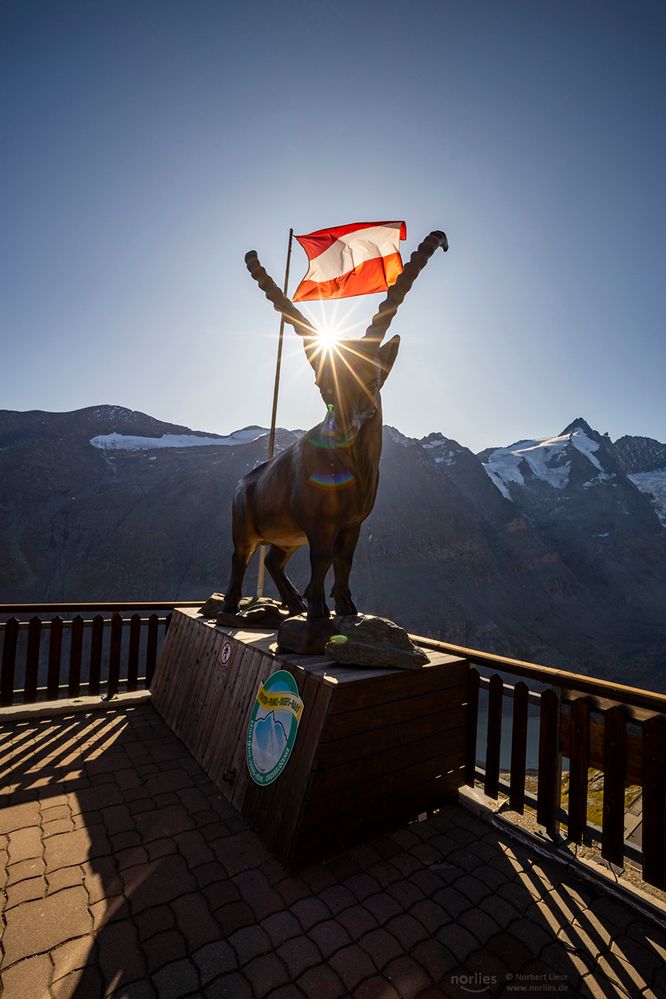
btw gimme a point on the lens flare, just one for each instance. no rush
(329, 334)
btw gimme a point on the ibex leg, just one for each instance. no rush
(275, 562)
(321, 556)
(234, 591)
(343, 556)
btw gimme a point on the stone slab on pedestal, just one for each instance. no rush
(373, 748)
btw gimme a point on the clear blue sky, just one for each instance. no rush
(147, 145)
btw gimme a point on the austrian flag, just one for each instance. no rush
(357, 259)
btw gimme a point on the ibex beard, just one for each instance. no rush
(322, 488)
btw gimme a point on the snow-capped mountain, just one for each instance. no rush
(644, 461)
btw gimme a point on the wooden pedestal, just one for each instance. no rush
(374, 747)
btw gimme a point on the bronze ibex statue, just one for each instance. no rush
(323, 487)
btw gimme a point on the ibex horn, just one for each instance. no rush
(396, 294)
(280, 301)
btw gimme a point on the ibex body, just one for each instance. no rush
(322, 488)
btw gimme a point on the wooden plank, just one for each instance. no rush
(615, 768)
(378, 716)
(151, 648)
(550, 765)
(96, 645)
(518, 747)
(364, 744)
(654, 801)
(133, 652)
(634, 747)
(55, 657)
(473, 685)
(346, 775)
(115, 646)
(378, 793)
(75, 654)
(32, 660)
(230, 717)
(578, 770)
(8, 662)
(397, 685)
(331, 838)
(493, 736)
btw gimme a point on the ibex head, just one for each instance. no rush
(350, 373)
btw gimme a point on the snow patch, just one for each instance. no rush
(653, 484)
(547, 459)
(129, 442)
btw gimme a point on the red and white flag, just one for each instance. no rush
(357, 259)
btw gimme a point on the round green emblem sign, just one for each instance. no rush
(271, 733)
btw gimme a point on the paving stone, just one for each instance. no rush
(194, 920)
(343, 867)
(25, 844)
(337, 898)
(406, 864)
(72, 955)
(407, 977)
(458, 940)
(100, 877)
(214, 959)
(282, 926)
(162, 948)
(510, 949)
(249, 942)
(35, 927)
(309, 912)
(432, 915)
(57, 826)
(231, 986)
(434, 957)
(357, 921)
(329, 936)
(322, 982)
(234, 916)
(120, 957)
(66, 877)
(157, 848)
(55, 812)
(161, 822)
(158, 882)
(70, 848)
(177, 979)
(382, 906)
(239, 852)
(376, 988)
(21, 816)
(407, 930)
(405, 893)
(254, 888)
(142, 989)
(84, 982)
(131, 857)
(361, 886)
(265, 973)
(25, 891)
(353, 965)
(484, 927)
(292, 890)
(29, 978)
(472, 888)
(24, 869)
(318, 878)
(219, 892)
(381, 946)
(298, 954)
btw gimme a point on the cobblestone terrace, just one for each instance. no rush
(126, 873)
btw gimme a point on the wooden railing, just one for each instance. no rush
(575, 727)
(50, 651)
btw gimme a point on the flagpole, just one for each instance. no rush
(276, 390)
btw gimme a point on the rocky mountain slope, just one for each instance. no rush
(544, 550)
